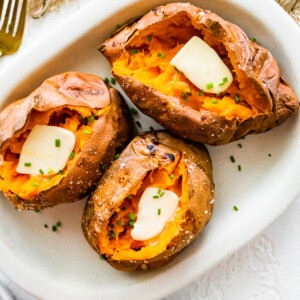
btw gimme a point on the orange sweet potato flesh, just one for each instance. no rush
(77, 102)
(265, 100)
(148, 161)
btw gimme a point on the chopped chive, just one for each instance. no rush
(180, 72)
(9, 27)
(86, 132)
(83, 120)
(41, 171)
(201, 92)
(117, 155)
(155, 196)
(239, 168)
(235, 208)
(129, 197)
(151, 128)
(218, 94)
(45, 225)
(159, 211)
(149, 38)
(131, 216)
(158, 191)
(60, 172)
(115, 234)
(215, 101)
(118, 26)
(50, 171)
(243, 137)
(58, 224)
(54, 228)
(119, 222)
(138, 123)
(103, 167)
(161, 194)
(210, 85)
(72, 155)
(222, 83)
(112, 225)
(35, 184)
(16, 208)
(101, 257)
(106, 80)
(131, 223)
(123, 208)
(161, 55)
(92, 118)
(27, 164)
(37, 210)
(134, 51)
(269, 154)
(236, 98)
(189, 94)
(112, 80)
(225, 79)
(184, 97)
(16, 196)
(240, 145)
(172, 176)
(57, 143)
(232, 159)
(254, 39)
(133, 110)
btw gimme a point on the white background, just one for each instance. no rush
(265, 269)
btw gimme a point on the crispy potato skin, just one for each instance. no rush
(256, 62)
(129, 169)
(112, 130)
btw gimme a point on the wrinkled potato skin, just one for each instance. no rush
(136, 161)
(112, 130)
(256, 62)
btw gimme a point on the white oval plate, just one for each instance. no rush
(62, 265)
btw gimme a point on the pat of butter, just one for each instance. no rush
(153, 213)
(202, 66)
(46, 148)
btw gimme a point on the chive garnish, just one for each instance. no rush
(218, 94)
(41, 171)
(129, 197)
(155, 196)
(240, 145)
(60, 172)
(54, 228)
(215, 101)
(115, 234)
(58, 224)
(50, 171)
(161, 194)
(151, 128)
(45, 225)
(161, 55)
(159, 211)
(83, 120)
(239, 168)
(131, 216)
(9, 27)
(184, 97)
(117, 155)
(101, 257)
(133, 110)
(86, 132)
(269, 154)
(131, 223)
(118, 26)
(123, 208)
(235, 208)
(210, 85)
(222, 83)
(138, 123)
(201, 92)
(119, 222)
(57, 143)
(35, 184)
(254, 39)
(106, 80)
(113, 80)
(149, 38)
(236, 98)
(159, 191)
(189, 94)
(180, 72)
(134, 51)
(103, 167)
(37, 210)
(225, 79)
(16, 196)
(27, 164)
(92, 118)
(72, 155)
(112, 225)
(172, 176)
(232, 159)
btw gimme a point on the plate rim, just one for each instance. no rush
(52, 289)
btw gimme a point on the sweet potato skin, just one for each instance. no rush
(254, 61)
(112, 130)
(129, 169)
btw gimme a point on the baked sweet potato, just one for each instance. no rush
(80, 103)
(153, 160)
(140, 53)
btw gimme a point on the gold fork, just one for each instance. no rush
(12, 23)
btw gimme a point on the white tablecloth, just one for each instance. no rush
(268, 268)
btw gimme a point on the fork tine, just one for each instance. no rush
(20, 5)
(4, 9)
(11, 12)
